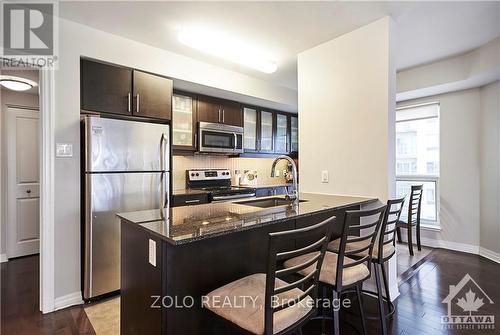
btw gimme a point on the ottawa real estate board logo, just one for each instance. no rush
(29, 34)
(465, 301)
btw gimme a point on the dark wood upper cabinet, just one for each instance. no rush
(105, 88)
(208, 110)
(219, 111)
(232, 113)
(152, 95)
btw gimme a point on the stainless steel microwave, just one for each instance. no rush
(220, 138)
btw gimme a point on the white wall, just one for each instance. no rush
(77, 40)
(346, 113)
(459, 170)
(476, 68)
(8, 97)
(346, 108)
(490, 167)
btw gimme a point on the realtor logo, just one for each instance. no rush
(464, 302)
(29, 34)
(28, 28)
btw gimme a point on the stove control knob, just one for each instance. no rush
(197, 174)
(192, 174)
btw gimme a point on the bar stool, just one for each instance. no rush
(383, 250)
(276, 307)
(341, 273)
(414, 207)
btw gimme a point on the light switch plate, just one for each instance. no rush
(152, 252)
(324, 176)
(64, 150)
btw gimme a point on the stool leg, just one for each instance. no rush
(336, 315)
(410, 239)
(398, 234)
(380, 299)
(323, 314)
(361, 313)
(386, 283)
(419, 246)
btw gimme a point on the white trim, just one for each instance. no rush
(3, 258)
(68, 300)
(434, 243)
(491, 255)
(463, 247)
(431, 227)
(47, 112)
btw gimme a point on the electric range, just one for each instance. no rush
(217, 182)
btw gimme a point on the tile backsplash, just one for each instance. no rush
(263, 166)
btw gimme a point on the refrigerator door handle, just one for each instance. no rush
(163, 180)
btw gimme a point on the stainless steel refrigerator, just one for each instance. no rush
(126, 168)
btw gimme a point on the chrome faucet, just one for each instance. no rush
(294, 196)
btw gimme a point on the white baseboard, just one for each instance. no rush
(432, 243)
(3, 258)
(68, 300)
(468, 248)
(494, 256)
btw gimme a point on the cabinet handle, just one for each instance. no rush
(218, 119)
(191, 201)
(138, 103)
(129, 102)
(223, 114)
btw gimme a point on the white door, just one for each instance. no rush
(23, 202)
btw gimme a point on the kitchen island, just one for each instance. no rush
(167, 265)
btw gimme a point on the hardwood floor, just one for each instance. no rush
(19, 304)
(418, 308)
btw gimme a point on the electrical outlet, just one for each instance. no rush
(324, 176)
(152, 252)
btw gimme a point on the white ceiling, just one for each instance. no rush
(425, 31)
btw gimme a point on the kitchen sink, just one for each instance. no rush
(268, 202)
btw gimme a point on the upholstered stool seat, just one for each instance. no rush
(388, 249)
(328, 274)
(242, 303)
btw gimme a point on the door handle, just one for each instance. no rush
(235, 141)
(163, 139)
(138, 103)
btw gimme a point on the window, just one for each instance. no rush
(417, 156)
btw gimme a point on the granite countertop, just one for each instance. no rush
(191, 223)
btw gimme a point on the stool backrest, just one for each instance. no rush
(415, 204)
(308, 282)
(388, 227)
(359, 232)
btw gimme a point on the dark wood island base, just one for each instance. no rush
(198, 249)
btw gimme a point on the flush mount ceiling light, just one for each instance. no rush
(220, 45)
(17, 83)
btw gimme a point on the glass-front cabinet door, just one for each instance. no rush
(294, 134)
(250, 129)
(266, 131)
(182, 122)
(281, 145)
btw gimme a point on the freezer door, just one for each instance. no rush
(106, 195)
(118, 145)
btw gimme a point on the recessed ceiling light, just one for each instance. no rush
(17, 83)
(222, 46)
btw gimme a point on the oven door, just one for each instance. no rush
(218, 141)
